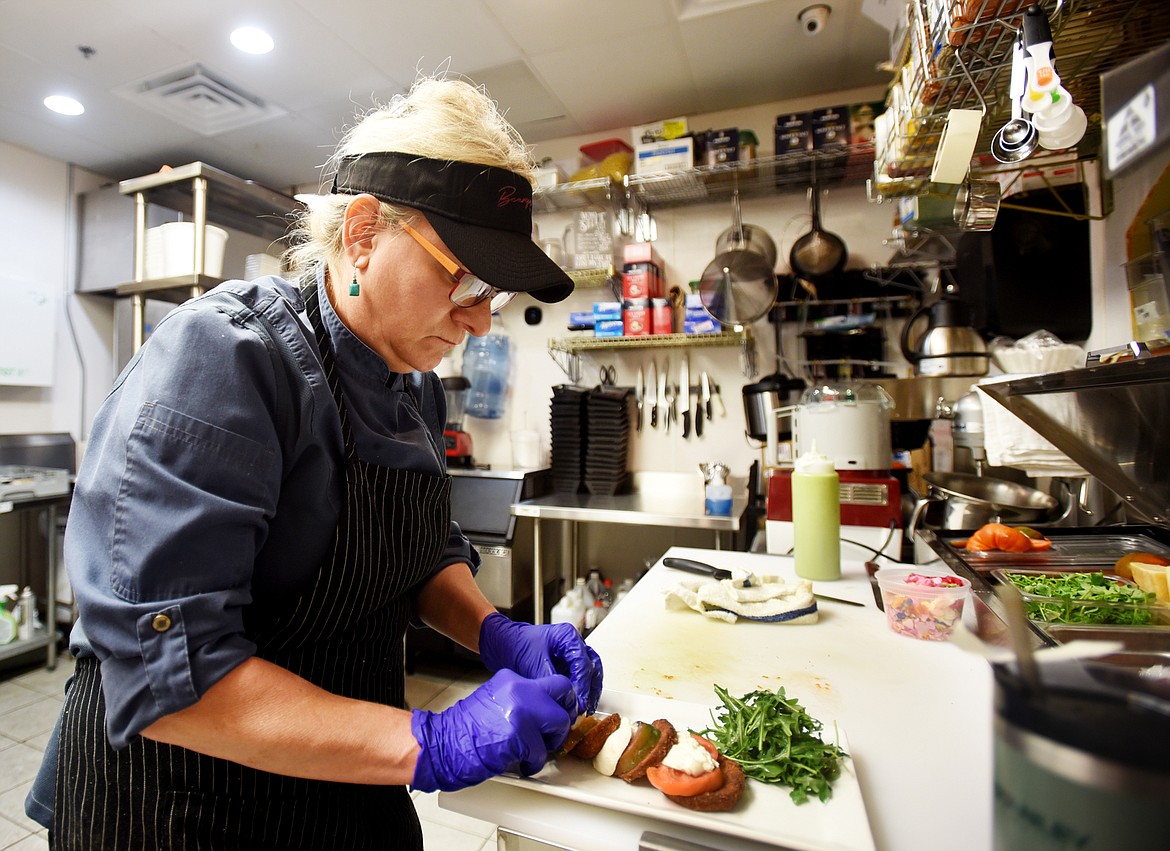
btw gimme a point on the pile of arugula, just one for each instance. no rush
(773, 739)
(1085, 598)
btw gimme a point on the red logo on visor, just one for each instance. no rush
(508, 195)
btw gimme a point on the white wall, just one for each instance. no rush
(37, 242)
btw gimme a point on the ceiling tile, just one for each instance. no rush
(540, 26)
(601, 87)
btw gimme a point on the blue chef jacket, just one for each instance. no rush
(212, 479)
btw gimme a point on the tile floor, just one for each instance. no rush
(31, 698)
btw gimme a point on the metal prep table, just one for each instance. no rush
(24, 489)
(657, 501)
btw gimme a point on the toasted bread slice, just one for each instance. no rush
(577, 732)
(666, 741)
(722, 799)
(591, 744)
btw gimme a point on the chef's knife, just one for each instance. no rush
(662, 404)
(684, 388)
(719, 398)
(652, 391)
(639, 392)
(705, 393)
(701, 567)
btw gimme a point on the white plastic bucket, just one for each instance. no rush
(170, 250)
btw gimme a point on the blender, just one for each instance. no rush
(455, 439)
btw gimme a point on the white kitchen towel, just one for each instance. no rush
(1011, 442)
(768, 598)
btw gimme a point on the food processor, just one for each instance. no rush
(455, 439)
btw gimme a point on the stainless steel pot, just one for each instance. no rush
(964, 501)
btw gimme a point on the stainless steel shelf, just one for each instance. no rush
(572, 345)
(760, 177)
(177, 289)
(20, 646)
(602, 276)
(598, 193)
(231, 201)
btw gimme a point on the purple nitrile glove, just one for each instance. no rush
(541, 651)
(507, 723)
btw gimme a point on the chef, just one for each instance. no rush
(263, 509)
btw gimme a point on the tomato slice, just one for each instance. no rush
(671, 781)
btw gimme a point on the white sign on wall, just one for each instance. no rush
(27, 333)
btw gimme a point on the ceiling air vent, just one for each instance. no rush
(199, 100)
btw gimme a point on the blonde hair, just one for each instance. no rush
(438, 118)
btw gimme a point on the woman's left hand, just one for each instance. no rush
(541, 651)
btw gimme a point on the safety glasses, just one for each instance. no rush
(468, 290)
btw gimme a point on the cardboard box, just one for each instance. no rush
(722, 146)
(793, 133)
(667, 155)
(656, 131)
(642, 252)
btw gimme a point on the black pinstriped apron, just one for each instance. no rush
(345, 634)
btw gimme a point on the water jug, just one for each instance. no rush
(486, 362)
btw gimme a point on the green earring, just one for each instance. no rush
(354, 287)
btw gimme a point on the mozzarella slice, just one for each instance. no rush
(690, 757)
(607, 758)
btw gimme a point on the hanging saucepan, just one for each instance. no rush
(751, 237)
(739, 285)
(968, 502)
(817, 252)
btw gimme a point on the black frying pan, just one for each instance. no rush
(818, 252)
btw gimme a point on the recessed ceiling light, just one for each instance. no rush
(64, 104)
(252, 40)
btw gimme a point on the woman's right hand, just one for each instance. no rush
(510, 723)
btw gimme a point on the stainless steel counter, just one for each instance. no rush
(670, 500)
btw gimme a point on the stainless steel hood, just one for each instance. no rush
(1112, 419)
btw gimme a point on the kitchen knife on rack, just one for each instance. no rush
(705, 394)
(663, 399)
(684, 388)
(639, 394)
(652, 391)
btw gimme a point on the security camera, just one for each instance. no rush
(813, 18)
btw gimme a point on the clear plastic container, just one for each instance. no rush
(922, 611)
(1043, 608)
(1148, 298)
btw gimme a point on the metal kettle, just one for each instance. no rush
(950, 346)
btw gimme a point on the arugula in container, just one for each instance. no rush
(1083, 598)
(774, 740)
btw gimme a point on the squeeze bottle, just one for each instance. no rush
(816, 516)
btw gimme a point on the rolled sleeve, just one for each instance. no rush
(172, 506)
(458, 551)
